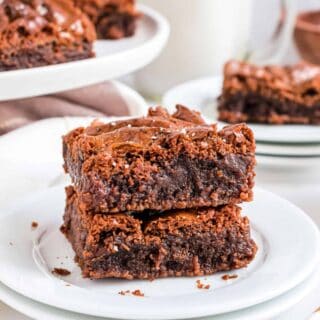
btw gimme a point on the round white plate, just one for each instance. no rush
(297, 151)
(202, 95)
(289, 249)
(114, 59)
(289, 163)
(266, 310)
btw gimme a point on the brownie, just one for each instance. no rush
(42, 32)
(270, 94)
(160, 162)
(150, 245)
(113, 19)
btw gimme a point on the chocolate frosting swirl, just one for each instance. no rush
(22, 19)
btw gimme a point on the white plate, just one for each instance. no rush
(266, 310)
(201, 95)
(287, 238)
(114, 59)
(302, 164)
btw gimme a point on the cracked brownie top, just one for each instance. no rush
(158, 131)
(299, 83)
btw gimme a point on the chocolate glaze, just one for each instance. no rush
(28, 19)
(176, 243)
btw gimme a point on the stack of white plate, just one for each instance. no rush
(277, 145)
(285, 270)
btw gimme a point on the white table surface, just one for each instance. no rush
(301, 186)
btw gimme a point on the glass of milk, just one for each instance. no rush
(204, 35)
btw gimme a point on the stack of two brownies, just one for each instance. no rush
(157, 196)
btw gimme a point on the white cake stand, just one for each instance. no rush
(114, 59)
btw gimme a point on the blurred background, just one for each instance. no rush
(205, 37)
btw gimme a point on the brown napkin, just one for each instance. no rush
(104, 99)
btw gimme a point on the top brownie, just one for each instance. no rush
(160, 162)
(270, 94)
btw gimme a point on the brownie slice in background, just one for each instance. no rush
(42, 32)
(270, 94)
(113, 19)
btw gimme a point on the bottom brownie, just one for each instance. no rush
(151, 245)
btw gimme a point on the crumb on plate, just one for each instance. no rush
(228, 277)
(136, 293)
(123, 293)
(61, 272)
(34, 225)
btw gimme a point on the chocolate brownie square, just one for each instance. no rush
(160, 162)
(152, 244)
(113, 19)
(35, 33)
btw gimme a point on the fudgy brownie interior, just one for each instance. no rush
(156, 244)
(113, 19)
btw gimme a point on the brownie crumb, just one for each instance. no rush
(228, 277)
(61, 272)
(34, 225)
(255, 94)
(318, 310)
(200, 285)
(123, 293)
(138, 293)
